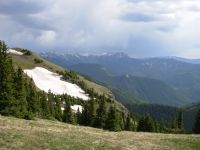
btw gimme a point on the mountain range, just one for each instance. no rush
(166, 80)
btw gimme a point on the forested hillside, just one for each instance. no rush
(21, 98)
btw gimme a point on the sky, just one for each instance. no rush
(140, 28)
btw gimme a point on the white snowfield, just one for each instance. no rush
(12, 51)
(76, 107)
(47, 80)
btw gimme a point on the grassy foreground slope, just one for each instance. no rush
(44, 134)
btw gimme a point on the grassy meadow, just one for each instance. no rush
(41, 134)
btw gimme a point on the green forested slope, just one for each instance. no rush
(131, 89)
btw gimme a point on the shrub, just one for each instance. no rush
(26, 52)
(38, 61)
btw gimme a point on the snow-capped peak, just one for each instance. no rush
(88, 54)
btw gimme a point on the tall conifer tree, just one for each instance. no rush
(128, 123)
(6, 82)
(101, 115)
(180, 120)
(32, 98)
(146, 124)
(78, 116)
(92, 112)
(68, 115)
(85, 120)
(196, 128)
(51, 103)
(58, 112)
(20, 94)
(113, 122)
(44, 105)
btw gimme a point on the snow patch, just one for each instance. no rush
(62, 108)
(12, 51)
(76, 107)
(46, 80)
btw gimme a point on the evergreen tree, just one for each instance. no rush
(122, 119)
(85, 120)
(156, 126)
(129, 124)
(113, 120)
(196, 128)
(174, 123)
(146, 124)
(32, 98)
(44, 106)
(161, 127)
(68, 115)
(92, 112)
(78, 117)
(51, 104)
(6, 82)
(20, 94)
(141, 124)
(101, 115)
(180, 120)
(58, 112)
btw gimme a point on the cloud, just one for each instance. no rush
(47, 37)
(141, 28)
(138, 17)
(19, 7)
(191, 53)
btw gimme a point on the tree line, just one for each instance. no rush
(166, 119)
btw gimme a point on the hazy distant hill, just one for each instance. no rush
(179, 77)
(132, 89)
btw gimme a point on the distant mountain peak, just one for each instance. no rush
(90, 54)
(103, 54)
(120, 55)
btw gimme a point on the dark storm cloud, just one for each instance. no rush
(138, 27)
(22, 12)
(32, 22)
(19, 7)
